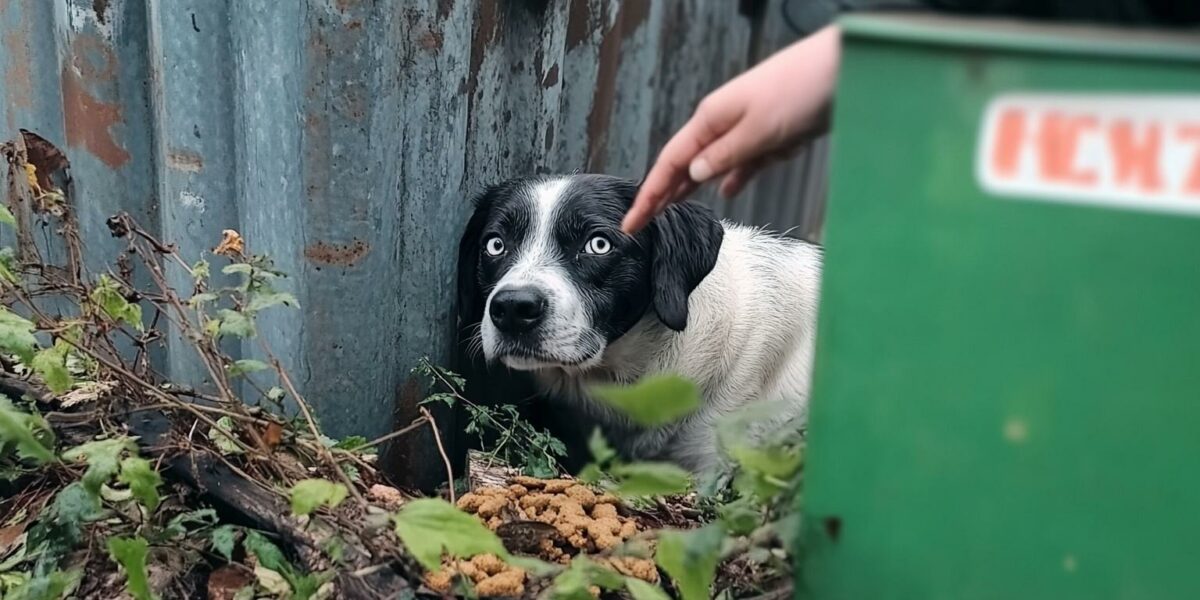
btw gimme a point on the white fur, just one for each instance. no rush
(749, 337)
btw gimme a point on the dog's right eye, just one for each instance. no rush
(494, 246)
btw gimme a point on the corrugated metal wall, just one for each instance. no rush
(344, 137)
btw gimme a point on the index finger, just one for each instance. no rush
(668, 172)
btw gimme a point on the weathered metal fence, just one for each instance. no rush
(344, 138)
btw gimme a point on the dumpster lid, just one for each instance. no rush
(1026, 36)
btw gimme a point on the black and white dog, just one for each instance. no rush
(549, 284)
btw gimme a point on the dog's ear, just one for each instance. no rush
(470, 298)
(686, 239)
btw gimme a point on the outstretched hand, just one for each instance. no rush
(761, 116)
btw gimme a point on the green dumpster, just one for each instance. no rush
(1006, 401)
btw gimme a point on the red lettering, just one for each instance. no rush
(1058, 142)
(1191, 185)
(1136, 158)
(1006, 150)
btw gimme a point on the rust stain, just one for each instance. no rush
(632, 15)
(487, 28)
(93, 58)
(551, 77)
(100, 7)
(578, 24)
(345, 5)
(600, 117)
(19, 82)
(89, 121)
(444, 8)
(185, 160)
(342, 255)
(354, 25)
(431, 40)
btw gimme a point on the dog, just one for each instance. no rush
(548, 284)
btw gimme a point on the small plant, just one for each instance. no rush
(517, 443)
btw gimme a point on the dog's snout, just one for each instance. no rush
(518, 310)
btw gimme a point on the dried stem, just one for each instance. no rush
(437, 437)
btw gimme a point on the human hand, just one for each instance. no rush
(760, 116)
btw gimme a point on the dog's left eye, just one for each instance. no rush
(598, 245)
(494, 246)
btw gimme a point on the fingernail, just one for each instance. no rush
(700, 170)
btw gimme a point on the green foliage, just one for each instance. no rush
(649, 479)
(143, 481)
(690, 557)
(130, 553)
(430, 527)
(271, 558)
(16, 335)
(224, 539)
(508, 437)
(51, 364)
(50, 586)
(8, 265)
(102, 458)
(28, 434)
(108, 297)
(653, 401)
(232, 322)
(6, 216)
(640, 590)
(223, 442)
(245, 366)
(310, 494)
(582, 573)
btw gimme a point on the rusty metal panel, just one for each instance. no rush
(344, 137)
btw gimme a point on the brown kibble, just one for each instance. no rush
(488, 563)
(604, 511)
(517, 490)
(580, 541)
(548, 517)
(538, 501)
(585, 497)
(567, 506)
(532, 483)
(494, 523)
(492, 507)
(466, 568)
(491, 490)
(607, 499)
(386, 495)
(557, 486)
(508, 584)
(628, 530)
(470, 502)
(441, 582)
(603, 533)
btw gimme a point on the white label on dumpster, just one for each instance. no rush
(1126, 150)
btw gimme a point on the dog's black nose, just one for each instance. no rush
(517, 310)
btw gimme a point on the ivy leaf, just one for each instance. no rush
(107, 295)
(268, 554)
(223, 540)
(236, 324)
(51, 364)
(6, 216)
(8, 265)
(655, 400)
(641, 590)
(16, 335)
(650, 479)
(690, 557)
(310, 494)
(237, 269)
(22, 430)
(142, 480)
(244, 366)
(130, 553)
(430, 526)
(222, 441)
(259, 301)
(102, 458)
(202, 298)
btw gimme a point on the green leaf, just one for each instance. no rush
(602, 453)
(741, 516)
(275, 394)
(246, 365)
(107, 295)
(52, 586)
(51, 365)
(102, 458)
(690, 557)
(641, 590)
(259, 301)
(222, 441)
(8, 265)
(352, 443)
(22, 430)
(16, 335)
(6, 216)
(203, 298)
(236, 324)
(430, 526)
(200, 270)
(655, 400)
(271, 558)
(130, 553)
(310, 494)
(237, 269)
(223, 540)
(650, 479)
(142, 480)
(582, 573)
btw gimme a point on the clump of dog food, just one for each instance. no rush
(552, 519)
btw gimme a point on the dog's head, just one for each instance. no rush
(549, 278)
